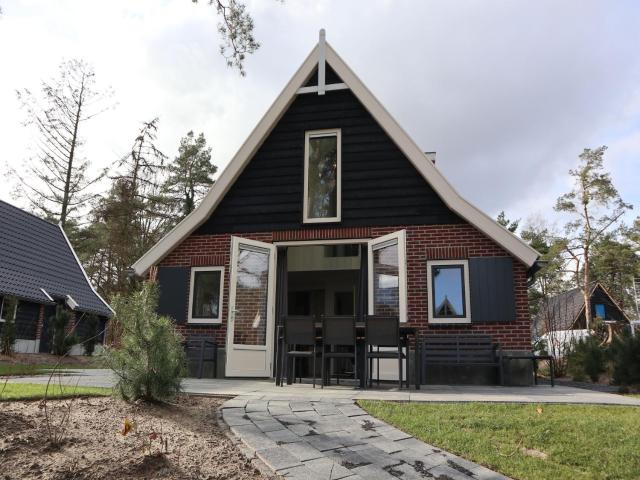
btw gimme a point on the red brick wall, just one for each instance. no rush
(424, 242)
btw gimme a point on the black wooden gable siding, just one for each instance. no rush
(380, 187)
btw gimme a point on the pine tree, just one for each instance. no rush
(57, 181)
(595, 207)
(190, 175)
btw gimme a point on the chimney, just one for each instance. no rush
(431, 156)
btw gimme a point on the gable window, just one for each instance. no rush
(600, 311)
(448, 288)
(205, 296)
(322, 183)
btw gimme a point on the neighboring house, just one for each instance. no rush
(561, 320)
(566, 311)
(330, 208)
(39, 267)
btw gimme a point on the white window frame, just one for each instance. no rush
(208, 321)
(396, 238)
(333, 132)
(2, 312)
(467, 300)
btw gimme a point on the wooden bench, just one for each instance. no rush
(460, 350)
(201, 349)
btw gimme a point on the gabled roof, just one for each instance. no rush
(567, 306)
(38, 264)
(320, 54)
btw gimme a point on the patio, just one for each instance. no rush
(266, 389)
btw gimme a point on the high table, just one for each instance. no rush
(406, 331)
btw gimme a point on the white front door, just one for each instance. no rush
(388, 276)
(388, 290)
(251, 308)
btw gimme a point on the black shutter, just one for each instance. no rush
(491, 289)
(173, 286)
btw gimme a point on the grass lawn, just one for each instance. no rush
(33, 391)
(38, 368)
(577, 441)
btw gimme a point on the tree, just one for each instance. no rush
(512, 226)
(615, 263)
(236, 30)
(130, 218)
(62, 340)
(548, 282)
(189, 175)
(8, 328)
(150, 361)
(57, 180)
(595, 207)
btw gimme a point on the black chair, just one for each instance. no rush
(338, 333)
(202, 349)
(299, 331)
(380, 331)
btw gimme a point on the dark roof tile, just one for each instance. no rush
(35, 255)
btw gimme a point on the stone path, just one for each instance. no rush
(428, 393)
(335, 439)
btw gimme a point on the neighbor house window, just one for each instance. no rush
(448, 290)
(600, 312)
(3, 314)
(322, 176)
(205, 296)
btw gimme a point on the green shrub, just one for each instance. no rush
(89, 340)
(587, 359)
(149, 360)
(625, 357)
(62, 341)
(8, 333)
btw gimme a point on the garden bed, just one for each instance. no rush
(182, 441)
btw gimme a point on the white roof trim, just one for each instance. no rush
(46, 294)
(82, 270)
(510, 242)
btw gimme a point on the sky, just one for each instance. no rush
(507, 93)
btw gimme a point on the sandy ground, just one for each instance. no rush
(169, 442)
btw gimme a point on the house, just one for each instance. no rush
(562, 320)
(39, 267)
(330, 208)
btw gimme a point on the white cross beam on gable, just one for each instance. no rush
(322, 86)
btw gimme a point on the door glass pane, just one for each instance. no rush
(386, 286)
(448, 291)
(250, 324)
(322, 177)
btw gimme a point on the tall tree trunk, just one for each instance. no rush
(586, 288)
(74, 140)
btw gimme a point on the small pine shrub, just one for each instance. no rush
(587, 360)
(62, 341)
(149, 360)
(624, 353)
(89, 340)
(8, 333)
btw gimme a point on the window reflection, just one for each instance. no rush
(322, 177)
(448, 291)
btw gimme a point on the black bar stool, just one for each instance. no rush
(337, 332)
(381, 331)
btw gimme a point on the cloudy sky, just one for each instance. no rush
(508, 93)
